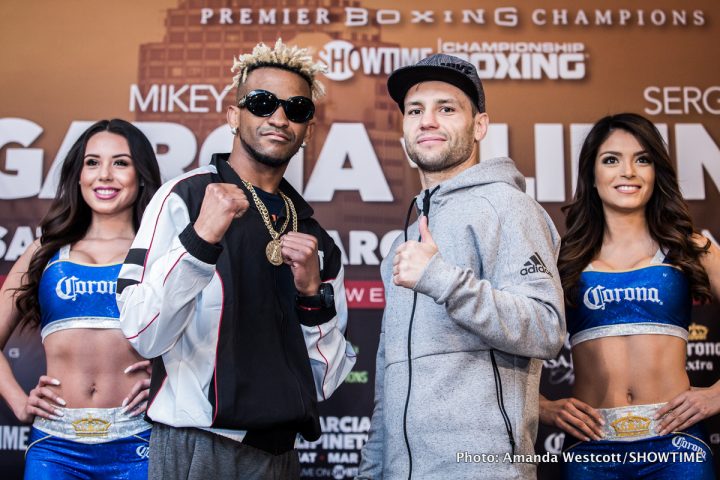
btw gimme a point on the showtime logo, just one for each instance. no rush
(343, 59)
(493, 60)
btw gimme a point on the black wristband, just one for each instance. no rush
(198, 247)
(314, 310)
(325, 298)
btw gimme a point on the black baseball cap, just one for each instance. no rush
(438, 67)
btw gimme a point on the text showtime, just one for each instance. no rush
(493, 60)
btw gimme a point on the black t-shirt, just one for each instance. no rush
(274, 204)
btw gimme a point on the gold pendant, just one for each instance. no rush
(273, 254)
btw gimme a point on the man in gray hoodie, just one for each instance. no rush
(471, 306)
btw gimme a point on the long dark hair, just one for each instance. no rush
(666, 212)
(69, 217)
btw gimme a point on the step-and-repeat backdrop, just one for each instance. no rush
(550, 70)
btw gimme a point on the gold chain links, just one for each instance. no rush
(272, 251)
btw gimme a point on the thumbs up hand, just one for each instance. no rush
(412, 257)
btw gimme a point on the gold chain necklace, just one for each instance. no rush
(272, 250)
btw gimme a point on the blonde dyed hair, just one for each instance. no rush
(286, 57)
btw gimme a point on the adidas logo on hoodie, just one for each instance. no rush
(535, 265)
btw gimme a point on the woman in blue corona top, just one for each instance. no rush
(631, 264)
(85, 410)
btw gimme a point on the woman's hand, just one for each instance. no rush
(572, 416)
(43, 402)
(136, 401)
(687, 409)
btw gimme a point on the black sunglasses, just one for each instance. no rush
(262, 103)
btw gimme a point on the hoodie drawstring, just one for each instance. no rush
(496, 371)
(501, 404)
(426, 213)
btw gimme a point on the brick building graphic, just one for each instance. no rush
(193, 52)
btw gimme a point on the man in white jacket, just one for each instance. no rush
(237, 293)
(471, 306)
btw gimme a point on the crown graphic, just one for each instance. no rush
(91, 427)
(697, 332)
(631, 426)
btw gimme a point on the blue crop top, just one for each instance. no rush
(77, 295)
(649, 300)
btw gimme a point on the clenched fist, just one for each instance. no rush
(222, 203)
(300, 251)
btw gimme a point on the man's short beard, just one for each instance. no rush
(457, 154)
(266, 159)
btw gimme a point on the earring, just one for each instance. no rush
(142, 183)
(234, 131)
(303, 145)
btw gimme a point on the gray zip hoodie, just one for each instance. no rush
(493, 287)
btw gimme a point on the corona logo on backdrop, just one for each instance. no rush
(559, 370)
(698, 333)
(701, 353)
(554, 442)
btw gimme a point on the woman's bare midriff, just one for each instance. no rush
(629, 370)
(90, 365)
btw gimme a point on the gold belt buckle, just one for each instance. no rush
(631, 426)
(91, 427)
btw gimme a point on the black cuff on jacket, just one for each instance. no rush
(199, 248)
(312, 317)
